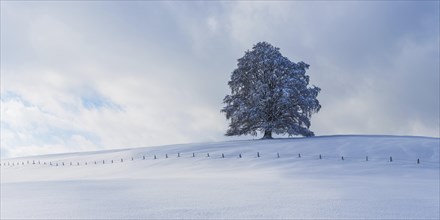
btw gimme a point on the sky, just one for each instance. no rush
(94, 75)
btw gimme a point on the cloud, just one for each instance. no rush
(95, 75)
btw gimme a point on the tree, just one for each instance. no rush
(270, 94)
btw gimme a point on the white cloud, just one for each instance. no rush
(86, 78)
(212, 24)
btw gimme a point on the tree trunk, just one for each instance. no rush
(267, 134)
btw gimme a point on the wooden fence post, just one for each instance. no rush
(223, 156)
(391, 159)
(239, 155)
(278, 155)
(342, 157)
(299, 155)
(366, 158)
(320, 157)
(207, 154)
(258, 154)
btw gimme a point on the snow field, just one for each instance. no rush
(232, 187)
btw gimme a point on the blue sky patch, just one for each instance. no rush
(96, 101)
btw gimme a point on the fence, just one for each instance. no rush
(278, 155)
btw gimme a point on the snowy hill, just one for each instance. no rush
(177, 184)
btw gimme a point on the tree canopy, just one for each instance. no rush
(270, 94)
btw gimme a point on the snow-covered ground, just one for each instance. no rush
(232, 187)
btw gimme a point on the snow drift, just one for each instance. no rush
(319, 177)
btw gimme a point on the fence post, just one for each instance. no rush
(194, 154)
(299, 155)
(223, 156)
(155, 157)
(320, 157)
(366, 158)
(70, 163)
(86, 163)
(103, 161)
(63, 163)
(278, 155)
(122, 160)
(418, 161)
(258, 154)
(207, 154)
(239, 155)
(33, 162)
(143, 157)
(131, 158)
(342, 157)
(391, 159)
(112, 161)
(178, 154)
(166, 155)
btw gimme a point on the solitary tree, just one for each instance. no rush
(270, 94)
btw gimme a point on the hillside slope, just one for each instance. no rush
(297, 184)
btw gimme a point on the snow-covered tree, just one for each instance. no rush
(270, 94)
